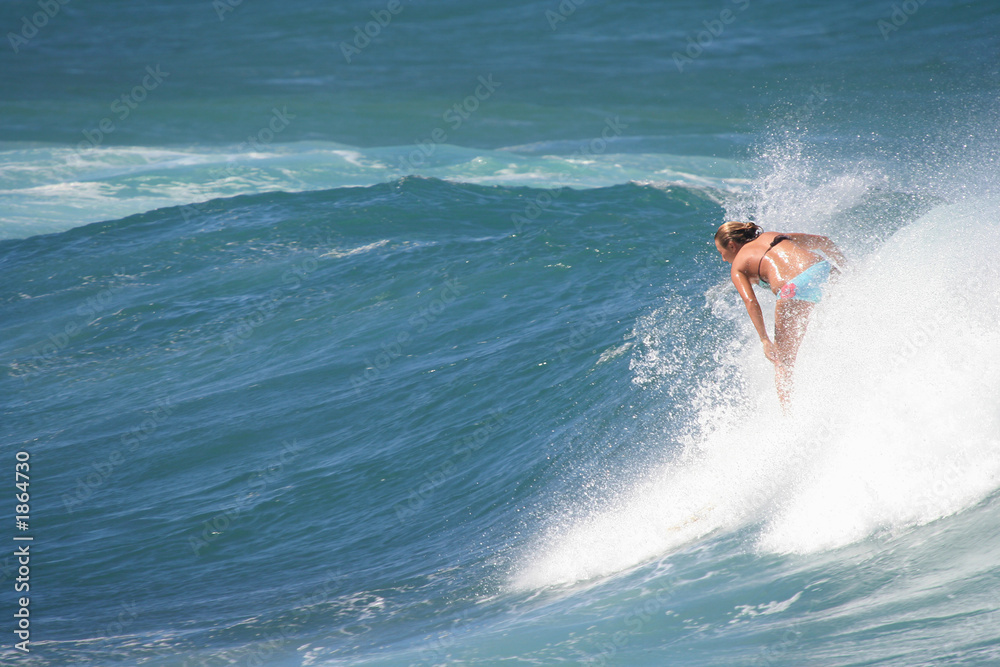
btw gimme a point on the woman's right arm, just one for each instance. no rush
(742, 284)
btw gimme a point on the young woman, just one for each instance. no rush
(793, 266)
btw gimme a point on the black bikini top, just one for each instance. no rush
(777, 239)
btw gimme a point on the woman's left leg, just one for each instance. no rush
(791, 317)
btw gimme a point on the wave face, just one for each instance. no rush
(315, 368)
(474, 412)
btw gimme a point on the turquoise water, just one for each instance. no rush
(416, 350)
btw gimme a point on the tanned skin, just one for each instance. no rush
(780, 264)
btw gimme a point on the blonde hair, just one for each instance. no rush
(740, 232)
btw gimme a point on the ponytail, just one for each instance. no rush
(740, 232)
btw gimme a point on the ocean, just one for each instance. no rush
(393, 333)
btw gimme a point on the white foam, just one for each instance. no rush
(895, 423)
(902, 369)
(347, 252)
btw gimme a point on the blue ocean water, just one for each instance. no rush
(392, 333)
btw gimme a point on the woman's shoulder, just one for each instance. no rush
(766, 239)
(800, 237)
(750, 253)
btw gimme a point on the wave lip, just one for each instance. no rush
(51, 189)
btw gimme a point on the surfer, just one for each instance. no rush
(795, 267)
